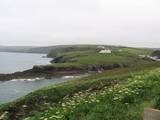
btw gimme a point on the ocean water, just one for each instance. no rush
(14, 89)
(13, 62)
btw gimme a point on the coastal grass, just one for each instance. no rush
(137, 51)
(66, 65)
(120, 102)
(62, 50)
(79, 59)
(84, 56)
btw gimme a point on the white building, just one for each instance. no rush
(105, 51)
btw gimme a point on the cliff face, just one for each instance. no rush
(42, 69)
(49, 71)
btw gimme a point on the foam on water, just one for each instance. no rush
(29, 80)
(75, 76)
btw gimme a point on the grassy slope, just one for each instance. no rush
(121, 102)
(52, 95)
(81, 58)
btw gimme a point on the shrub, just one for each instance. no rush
(157, 102)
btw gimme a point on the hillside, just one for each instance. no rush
(36, 49)
(53, 49)
(27, 49)
(132, 85)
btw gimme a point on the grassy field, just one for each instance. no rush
(118, 94)
(120, 102)
(87, 57)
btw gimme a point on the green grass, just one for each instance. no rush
(97, 58)
(128, 56)
(66, 65)
(137, 51)
(121, 102)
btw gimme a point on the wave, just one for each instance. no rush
(29, 79)
(74, 77)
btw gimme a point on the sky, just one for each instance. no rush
(58, 22)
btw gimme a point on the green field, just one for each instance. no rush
(123, 101)
(91, 56)
(117, 94)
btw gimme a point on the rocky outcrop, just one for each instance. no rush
(59, 59)
(71, 68)
(102, 67)
(156, 54)
(49, 71)
(62, 59)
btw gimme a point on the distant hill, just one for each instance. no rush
(52, 50)
(25, 49)
(31, 49)
(48, 49)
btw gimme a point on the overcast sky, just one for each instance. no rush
(52, 22)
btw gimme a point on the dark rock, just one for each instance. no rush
(59, 59)
(156, 54)
(37, 68)
(49, 70)
(116, 65)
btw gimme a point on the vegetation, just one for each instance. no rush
(117, 94)
(108, 103)
(81, 57)
(157, 102)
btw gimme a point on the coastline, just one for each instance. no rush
(47, 71)
(18, 62)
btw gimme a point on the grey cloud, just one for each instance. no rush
(49, 22)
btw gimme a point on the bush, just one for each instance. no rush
(157, 102)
